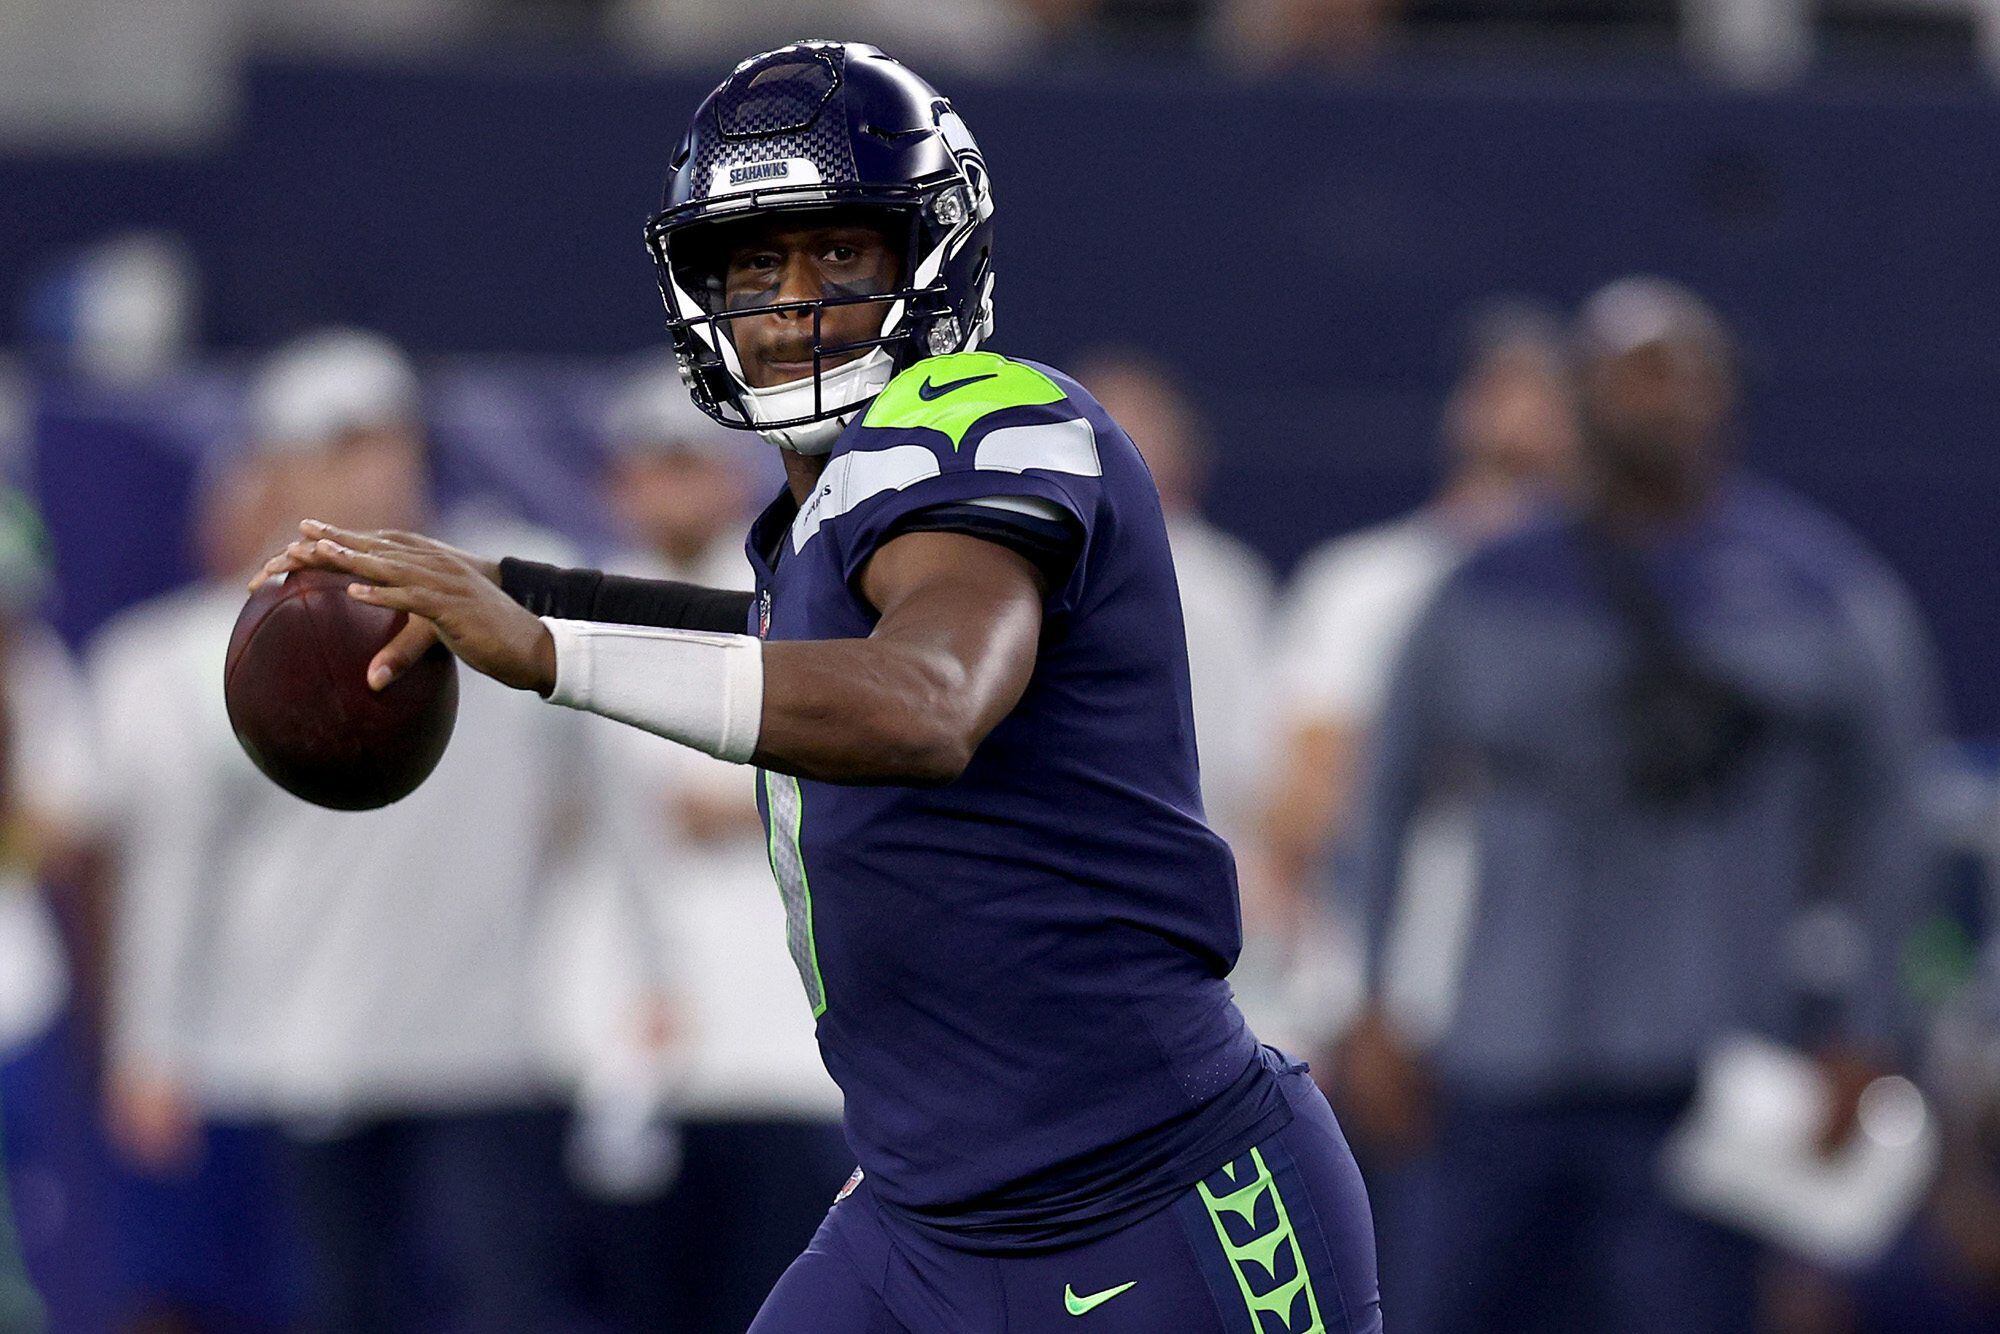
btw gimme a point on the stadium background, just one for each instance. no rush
(1301, 245)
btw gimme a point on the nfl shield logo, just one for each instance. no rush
(764, 614)
(848, 1189)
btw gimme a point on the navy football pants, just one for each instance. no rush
(1277, 1242)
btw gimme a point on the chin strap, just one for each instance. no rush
(852, 385)
(849, 386)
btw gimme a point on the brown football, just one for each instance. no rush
(297, 689)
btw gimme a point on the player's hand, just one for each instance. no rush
(152, 1120)
(457, 595)
(384, 541)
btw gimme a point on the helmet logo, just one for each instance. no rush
(959, 140)
(730, 177)
(758, 171)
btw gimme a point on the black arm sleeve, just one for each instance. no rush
(592, 595)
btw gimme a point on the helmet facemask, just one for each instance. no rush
(845, 368)
(919, 317)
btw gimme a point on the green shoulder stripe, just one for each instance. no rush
(952, 394)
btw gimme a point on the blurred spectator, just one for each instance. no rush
(1687, 713)
(46, 804)
(45, 777)
(725, 1053)
(361, 983)
(1508, 431)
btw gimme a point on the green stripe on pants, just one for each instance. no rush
(1262, 1247)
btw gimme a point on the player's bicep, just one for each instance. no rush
(973, 603)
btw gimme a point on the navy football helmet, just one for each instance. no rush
(820, 125)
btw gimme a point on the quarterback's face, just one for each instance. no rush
(780, 260)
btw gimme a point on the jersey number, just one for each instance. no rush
(788, 864)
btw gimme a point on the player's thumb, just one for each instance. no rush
(401, 653)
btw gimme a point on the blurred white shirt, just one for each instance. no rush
(49, 777)
(296, 962)
(742, 1044)
(50, 767)
(1349, 610)
(1227, 596)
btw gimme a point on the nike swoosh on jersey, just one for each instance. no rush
(1076, 1305)
(928, 391)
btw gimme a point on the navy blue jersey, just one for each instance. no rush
(1019, 976)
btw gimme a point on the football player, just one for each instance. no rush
(964, 679)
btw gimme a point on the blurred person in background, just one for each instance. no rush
(205, 1233)
(47, 771)
(1509, 431)
(1687, 713)
(710, 1024)
(360, 982)
(45, 817)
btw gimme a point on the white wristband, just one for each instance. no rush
(702, 690)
